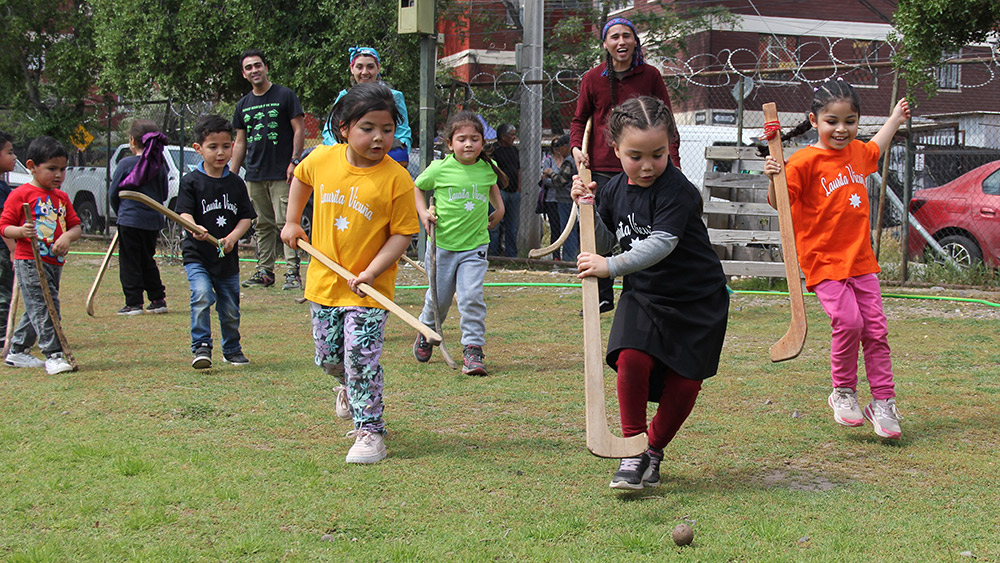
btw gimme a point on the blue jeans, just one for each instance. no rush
(508, 225)
(207, 289)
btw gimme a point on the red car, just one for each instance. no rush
(963, 216)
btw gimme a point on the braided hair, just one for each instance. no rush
(643, 113)
(825, 94)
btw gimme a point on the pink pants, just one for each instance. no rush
(854, 306)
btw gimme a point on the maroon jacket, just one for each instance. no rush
(595, 100)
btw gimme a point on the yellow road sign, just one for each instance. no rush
(81, 138)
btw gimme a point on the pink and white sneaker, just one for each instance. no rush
(846, 410)
(884, 417)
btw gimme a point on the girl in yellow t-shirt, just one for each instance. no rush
(363, 218)
(829, 204)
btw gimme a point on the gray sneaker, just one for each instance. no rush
(846, 410)
(23, 360)
(292, 281)
(884, 417)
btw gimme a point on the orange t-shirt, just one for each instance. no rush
(829, 202)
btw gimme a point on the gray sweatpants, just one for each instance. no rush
(35, 323)
(462, 273)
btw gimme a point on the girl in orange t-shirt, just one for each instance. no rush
(829, 204)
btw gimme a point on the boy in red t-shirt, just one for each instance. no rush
(54, 223)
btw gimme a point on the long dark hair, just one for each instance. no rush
(463, 118)
(358, 101)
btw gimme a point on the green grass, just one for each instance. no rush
(138, 457)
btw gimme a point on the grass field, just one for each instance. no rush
(138, 457)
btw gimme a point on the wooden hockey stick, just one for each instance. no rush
(430, 335)
(432, 283)
(43, 283)
(792, 342)
(167, 212)
(15, 298)
(100, 274)
(415, 264)
(600, 441)
(571, 221)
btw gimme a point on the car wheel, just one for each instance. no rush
(307, 216)
(90, 221)
(963, 250)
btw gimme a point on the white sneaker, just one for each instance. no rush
(846, 410)
(369, 447)
(884, 417)
(343, 409)
(56, 363)
(23, 360)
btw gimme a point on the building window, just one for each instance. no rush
(777, 52)
(620, 5)
(949, 76)
(863, 55)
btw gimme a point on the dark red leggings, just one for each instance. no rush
(679, 395)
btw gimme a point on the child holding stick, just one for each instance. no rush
(216, 200)
(363, 219)
(7, 161)
(55, 224)
(464, 182)
(138, 224)
(670, 322)
(829, 204)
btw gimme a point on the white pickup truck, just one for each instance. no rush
(87, 186)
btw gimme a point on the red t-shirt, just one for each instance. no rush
(52, 213)
(829, 203)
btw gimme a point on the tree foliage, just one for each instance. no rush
(45, 71)
(928, 28)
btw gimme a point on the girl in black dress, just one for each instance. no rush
(670, 323)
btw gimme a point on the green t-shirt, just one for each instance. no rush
(462, 197)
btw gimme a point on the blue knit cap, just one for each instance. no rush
(355, 52)
(637, 54)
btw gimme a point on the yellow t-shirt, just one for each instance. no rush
(355, 211)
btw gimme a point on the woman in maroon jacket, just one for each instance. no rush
(623, 75)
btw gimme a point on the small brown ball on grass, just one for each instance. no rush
(682, 534)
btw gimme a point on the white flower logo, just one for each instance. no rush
(341, 223)
(469, 206)
(855, 200)
(220, 221)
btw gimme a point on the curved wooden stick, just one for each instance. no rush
(432, 283)
(600, 441)
(585, 175)
(50, 304)
(15, 298)
(100, 274)
(415, 264)
(430, 335)
(167, 212)
(794, 340)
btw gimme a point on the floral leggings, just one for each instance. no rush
(348, 346)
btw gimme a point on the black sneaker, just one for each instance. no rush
(130, 310)
(630, 472)
(236, 358)
(260, 278)
(422, 349)
(473, 361)
(292, 281)
(651, 478)
(159, 306)
(607, 306)
(202, 357)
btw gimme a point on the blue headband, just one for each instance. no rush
(355, 52)
(637, 54)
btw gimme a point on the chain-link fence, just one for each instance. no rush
(944, 169)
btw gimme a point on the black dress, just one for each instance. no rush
(676, 310)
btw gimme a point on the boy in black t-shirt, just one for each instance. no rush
(216, 200)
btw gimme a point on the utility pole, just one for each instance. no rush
(530, 230)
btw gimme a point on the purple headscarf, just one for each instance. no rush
(150, 163)
(637, 54)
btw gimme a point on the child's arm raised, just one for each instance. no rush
(298, 196)
(498, 208)
(900, 114)
(393, 248)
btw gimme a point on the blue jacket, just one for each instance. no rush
(133, 213)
